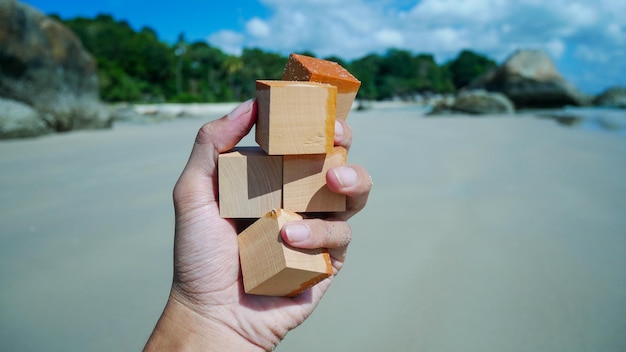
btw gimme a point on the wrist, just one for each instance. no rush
(182, 329)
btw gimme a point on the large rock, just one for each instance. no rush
(530, 80)
(18, 120)
(475, 102)
(44, 65)
(481, 102)
(614, 97)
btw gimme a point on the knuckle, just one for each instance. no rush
(203, 136)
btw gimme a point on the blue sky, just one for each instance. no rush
(586, 39)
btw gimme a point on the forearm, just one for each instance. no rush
(181, 329)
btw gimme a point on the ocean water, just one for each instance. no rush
(609, 120)
(604, 120)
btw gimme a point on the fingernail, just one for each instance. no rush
(338, 130)
(241, 109)
(345, 175)
(297, 232)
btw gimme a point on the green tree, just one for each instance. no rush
(144, 61)
(179, 51)
(468, 66)
(258, 64)
(137, 66)
(233, 67)
(399, 73)
(430, 77)
(203, 69)
(116, 85)
(367, 70)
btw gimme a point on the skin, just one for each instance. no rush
(207, 308)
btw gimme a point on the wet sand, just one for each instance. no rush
(481, 234)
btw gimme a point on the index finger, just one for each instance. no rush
(343, 134)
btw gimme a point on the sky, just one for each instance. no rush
(585, 39)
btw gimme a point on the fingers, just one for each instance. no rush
(353, 181)
(223, 134)
(333, 235)
(226, 132)
(213, 138)
(343, 134)
(317, 233)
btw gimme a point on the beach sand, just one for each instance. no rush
(481, 234)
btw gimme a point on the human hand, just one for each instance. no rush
(207, 307)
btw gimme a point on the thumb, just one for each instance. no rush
(226, 132)
(213, 138)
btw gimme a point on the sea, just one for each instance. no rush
(607, 120)
(600, 119)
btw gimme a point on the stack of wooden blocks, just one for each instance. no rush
(286, 174)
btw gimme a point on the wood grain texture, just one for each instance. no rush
(310, 69)
(295, 117)
(249, 183)
(272, 268)
(304, 178)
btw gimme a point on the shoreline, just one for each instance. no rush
(611, 120)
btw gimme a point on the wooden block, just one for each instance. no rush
(305, 68)
(272, 268)
(304, 178)
(249, 182)
(295, 117)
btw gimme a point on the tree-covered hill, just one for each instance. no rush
(136, 66)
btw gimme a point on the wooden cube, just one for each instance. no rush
(272, 268)
(249, 182)
(295, 117)
(304, 182)
(305, 68)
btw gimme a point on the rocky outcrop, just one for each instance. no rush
(44, 65)
(18, 120)
(614, 97)
(483, 102)
(475, 102)
(530, 80)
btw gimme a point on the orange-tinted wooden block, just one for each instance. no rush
(295, 117)
(304, 178)
(305, 68)
(249, 182)
(272, 268)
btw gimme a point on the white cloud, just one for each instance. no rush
(389, 38)
(581, 14)
(616, 33)
(576, 32)
(452, 11)
(229, 41)
(556, 48)
(327, 27)
(256, 27)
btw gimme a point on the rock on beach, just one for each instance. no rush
(530, 79)
(475, 102)
(614, 97)
(44, 66)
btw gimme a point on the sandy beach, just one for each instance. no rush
(481, 234)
